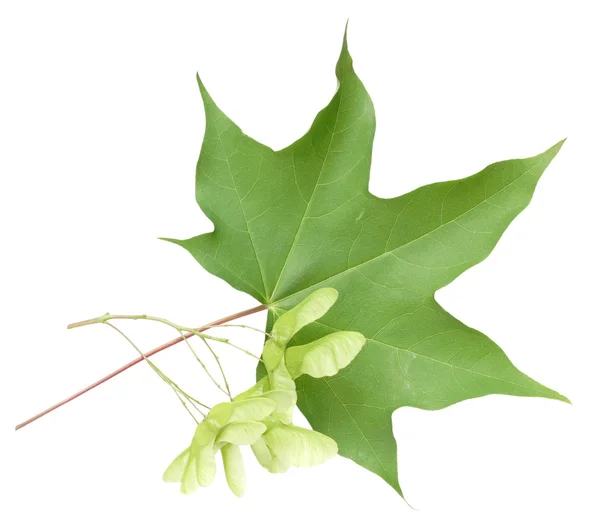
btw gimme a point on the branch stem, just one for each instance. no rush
(178, 391)
(137, 360)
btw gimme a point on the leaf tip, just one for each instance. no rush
(554, 395)
(206, 98)
(344, 63)
(560, 143)
(175, 241)
(171, 240)
(200, 83)
(554, 149)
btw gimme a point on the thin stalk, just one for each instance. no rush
(245, 351)
(204, 336)
(137, 360)
(107, 316)
(240, 326)
(216, 357)
(180, 329)
(159, 372)
(206, 370)
(182, 400)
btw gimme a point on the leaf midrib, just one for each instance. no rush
(337, 114)
(397, 348)
(260, 270)
(383, 467)
(385, 253)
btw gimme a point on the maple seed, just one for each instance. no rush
(261, 416)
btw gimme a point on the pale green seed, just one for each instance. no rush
(175, 470)
(326, 356)
(234, 469)
(241, 433)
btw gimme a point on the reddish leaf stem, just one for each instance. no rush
(164, 346)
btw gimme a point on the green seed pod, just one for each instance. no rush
(280, 378)
(255, 409)
(175, 470)
(326, 356)
(189, 481)
(310, 309)
(272, 354)
(234, 469)
(291, 445)
(205, 464)
(282, 382)
(262, 453)
(205, 433)
(241, 433)
(262, 416)
(257, 390)
(284, 400)
(250, 409)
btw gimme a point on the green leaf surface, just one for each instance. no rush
(292, 221)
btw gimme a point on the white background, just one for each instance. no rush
(101, 124)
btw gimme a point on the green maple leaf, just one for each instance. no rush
(291, 221)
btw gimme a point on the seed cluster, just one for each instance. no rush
(262, 416)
